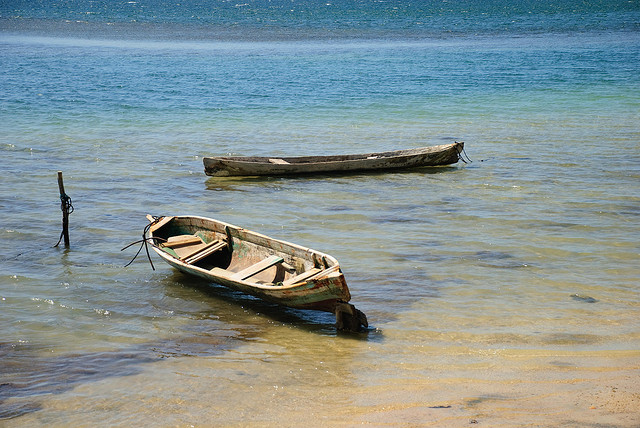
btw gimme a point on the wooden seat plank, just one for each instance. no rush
(257, 268)
(203, 252)
(182, 240)
(182, 246)
(159, 224)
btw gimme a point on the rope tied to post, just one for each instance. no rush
(65, 204)
(67, 208)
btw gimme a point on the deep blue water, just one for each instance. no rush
(348, 18)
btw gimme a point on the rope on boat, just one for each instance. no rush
(144, 242)
(462, 155)
(67, 208)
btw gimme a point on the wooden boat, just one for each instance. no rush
(274, 270)
(228, 166)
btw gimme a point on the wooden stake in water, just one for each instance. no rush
(67, 208)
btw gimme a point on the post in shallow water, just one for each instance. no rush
(67, 208)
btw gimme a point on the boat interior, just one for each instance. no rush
(228, 257)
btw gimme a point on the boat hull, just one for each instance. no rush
(324, 291)
(231, 166)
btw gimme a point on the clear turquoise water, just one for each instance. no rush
(502, 291)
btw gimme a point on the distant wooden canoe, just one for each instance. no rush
(228, 166)
(274, 270)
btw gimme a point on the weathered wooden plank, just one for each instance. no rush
(159, 224)
(302, 277)
(209, 249)
(188, 250)
(257, 268)
(279, 161)
(182, 240)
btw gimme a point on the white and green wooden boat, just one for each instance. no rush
(271, 269)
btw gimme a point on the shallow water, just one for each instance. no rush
(501, 291)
